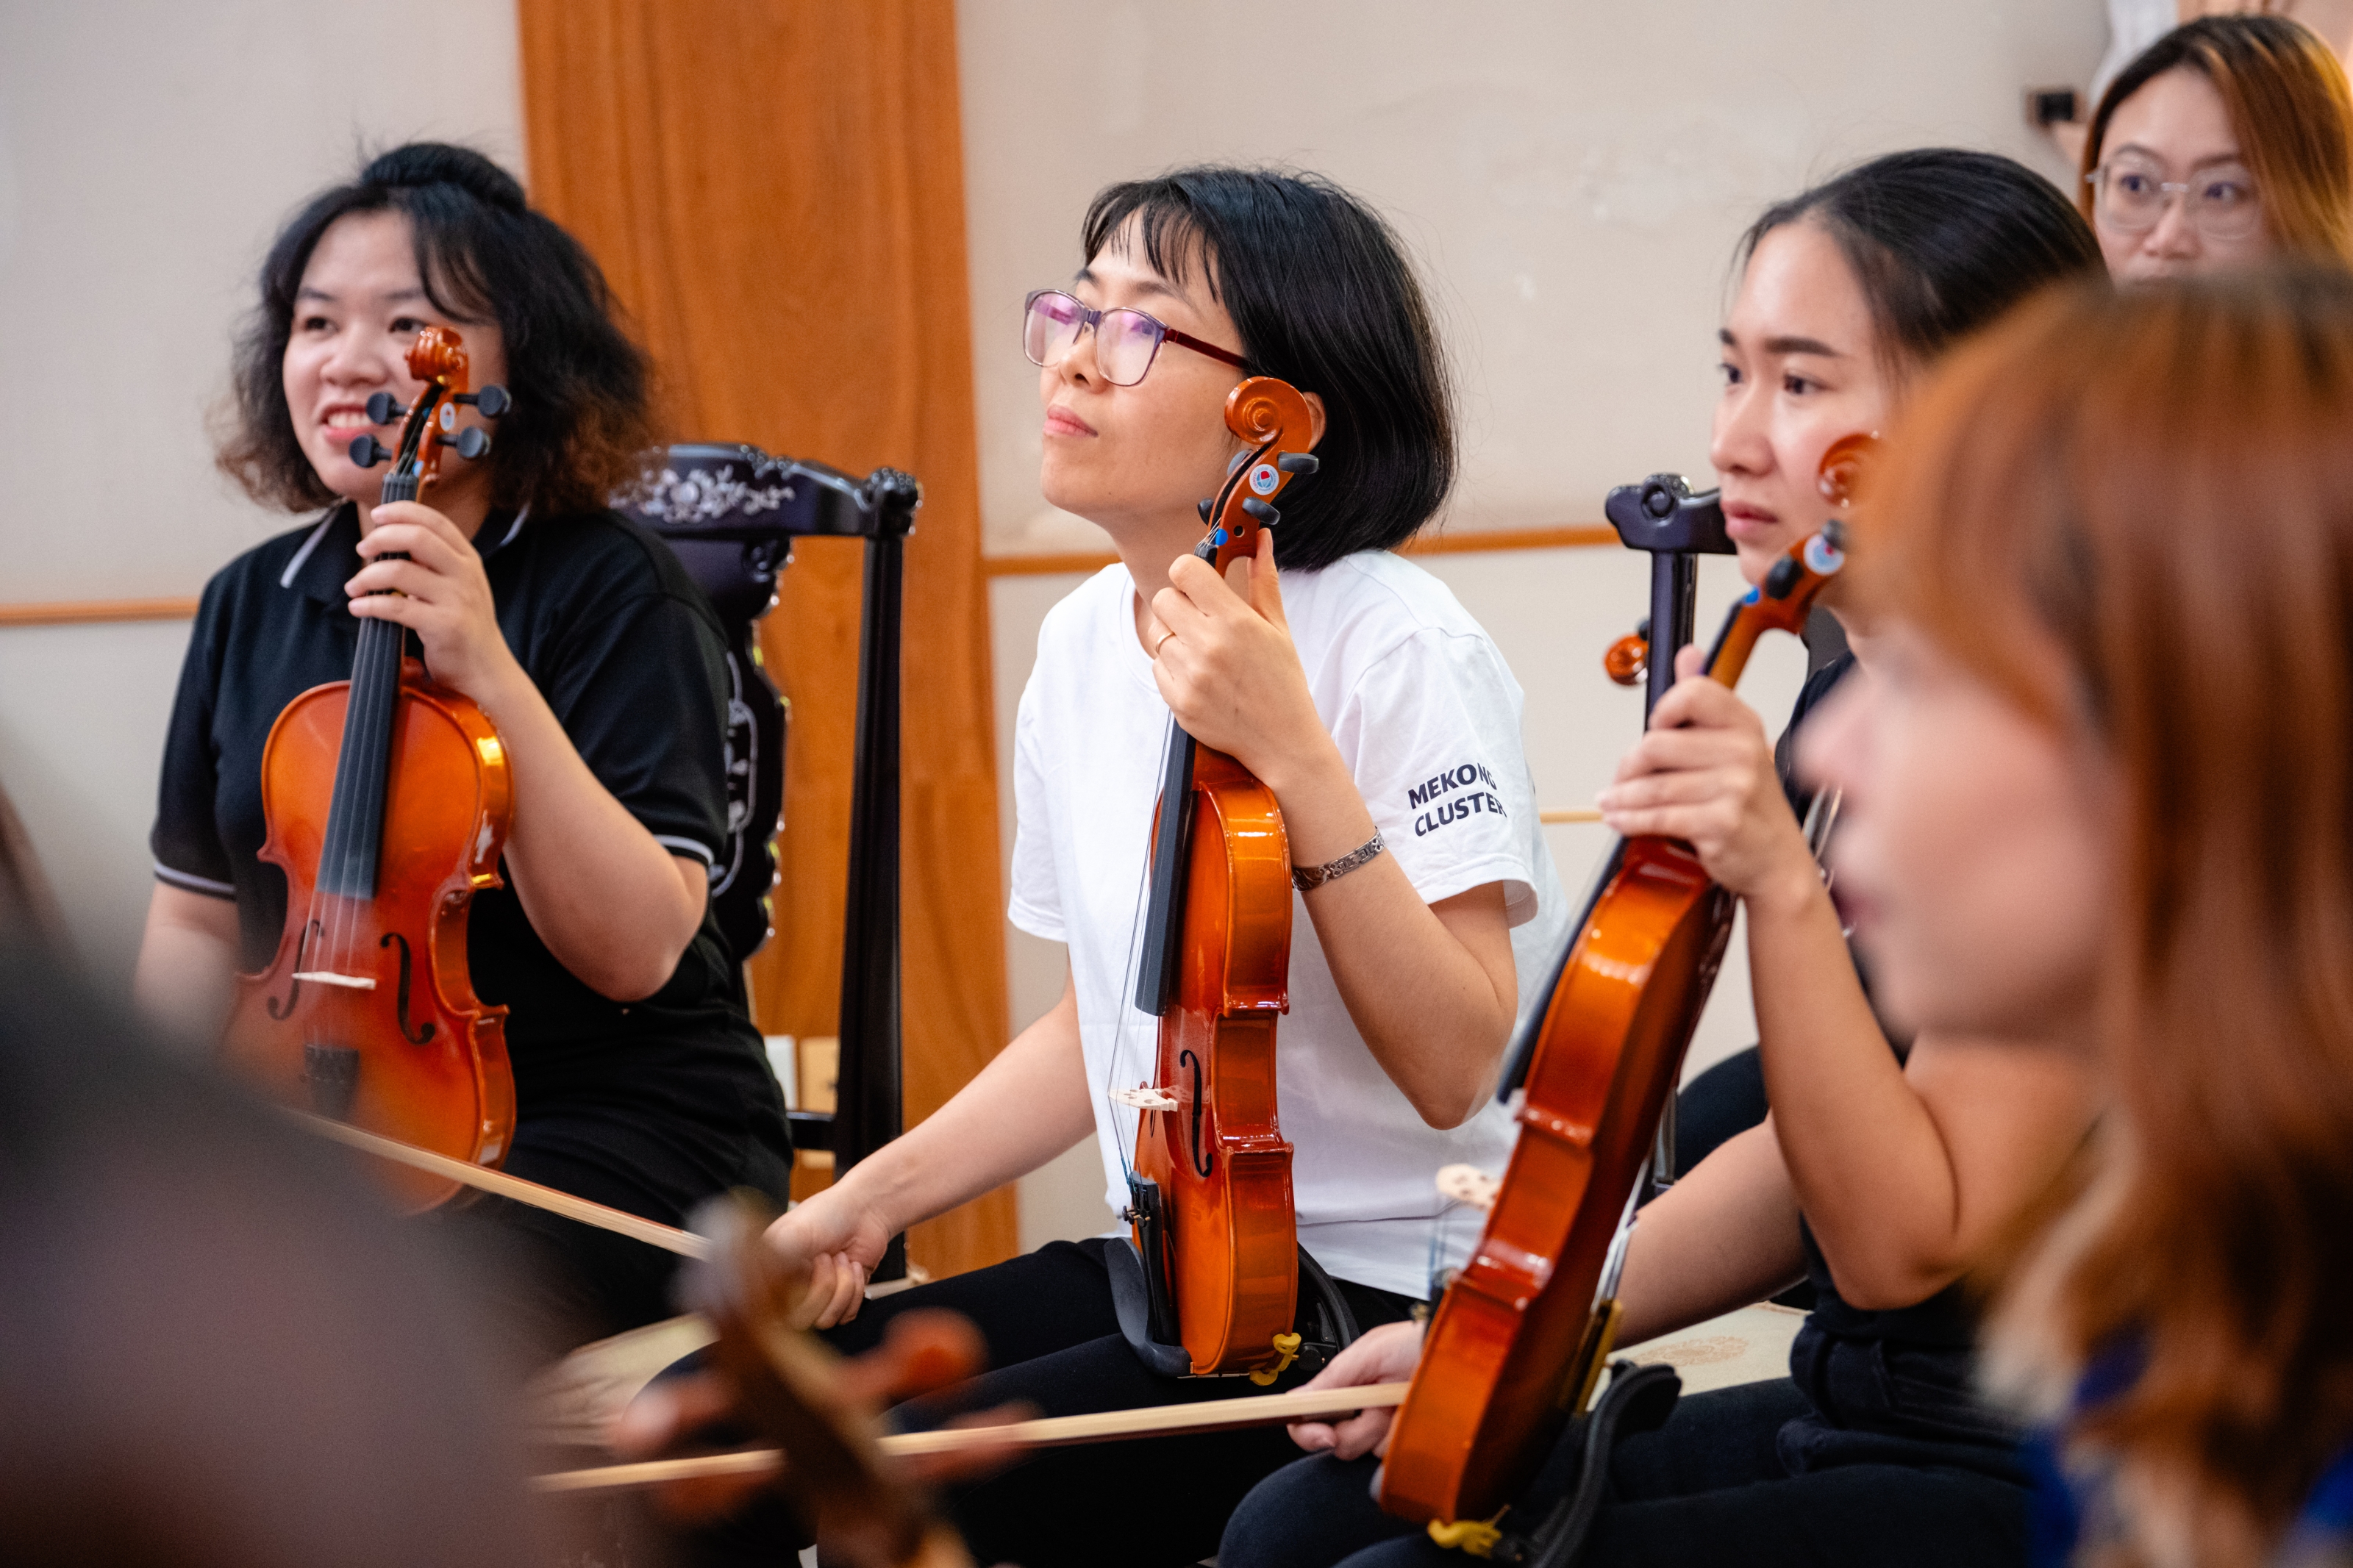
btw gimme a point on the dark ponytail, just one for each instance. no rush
(1943, 241)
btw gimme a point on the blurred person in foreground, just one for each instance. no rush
(2101, 795)
(214, 1347)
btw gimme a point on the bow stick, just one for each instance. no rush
(1053, 1431)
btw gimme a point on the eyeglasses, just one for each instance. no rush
(1126, 341)
(2131, 198)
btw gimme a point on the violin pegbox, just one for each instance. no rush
(1276, 427)
(438, 359)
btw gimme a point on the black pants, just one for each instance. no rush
(1708, 1487)
(554, 1283)
(1054, 1341)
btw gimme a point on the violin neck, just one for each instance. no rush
(1172, 836)
(347, 860)
(1727, 656)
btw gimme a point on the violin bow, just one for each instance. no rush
(481, 1177)
(1048, 1432)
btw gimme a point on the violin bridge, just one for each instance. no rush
(1146, 1098)
(328, 977)
(1469, 1185)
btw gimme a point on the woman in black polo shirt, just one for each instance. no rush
(639, 1080)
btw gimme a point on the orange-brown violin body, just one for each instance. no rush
(1514, 1348)
(1216, 969)
(1220, 1157)
(387, 800)
(432, 1068)
(1500, 1370)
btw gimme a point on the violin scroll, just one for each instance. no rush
(1274, 420)
(1627, 660)
(1842, 467)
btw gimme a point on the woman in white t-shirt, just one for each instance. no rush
(1378, 713)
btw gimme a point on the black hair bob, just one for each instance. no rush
(1943, 241)
(583, 402)
(1319, 287)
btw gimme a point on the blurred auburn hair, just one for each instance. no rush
(2291, 106)
(2133, 510)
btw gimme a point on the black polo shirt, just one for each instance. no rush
(627, 653)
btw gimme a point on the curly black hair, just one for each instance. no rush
(582, 411)
(1321, 291)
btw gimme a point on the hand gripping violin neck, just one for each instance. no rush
(1520, 1338)
(387, 799)
(1209, 1285)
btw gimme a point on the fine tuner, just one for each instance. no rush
(470, 443)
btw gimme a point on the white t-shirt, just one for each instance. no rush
(1428, 717)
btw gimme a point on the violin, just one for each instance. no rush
(1209, 1191)
(866, 1512)
(1521, 1336)
(387, 799)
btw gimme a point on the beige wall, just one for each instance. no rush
(147, 153)
(1573, 173)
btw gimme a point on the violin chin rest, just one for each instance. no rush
(1131, 1298)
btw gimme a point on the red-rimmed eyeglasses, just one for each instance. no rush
(1126, 341)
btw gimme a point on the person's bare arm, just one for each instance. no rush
(1433, 988)
(186, 975)
(1904, 1174)
(1909, 1174)
(1027, 1105)
(1724, 1236)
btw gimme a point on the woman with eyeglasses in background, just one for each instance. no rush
(1349, 683)
(2227, 141)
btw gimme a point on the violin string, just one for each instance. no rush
(354, 802)
(1126, 1029)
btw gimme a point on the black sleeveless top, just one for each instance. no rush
(1891, 1386)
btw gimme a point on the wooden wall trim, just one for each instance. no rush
(1470, 541)
(93, 612)
(1574, 536)
(1571, 537)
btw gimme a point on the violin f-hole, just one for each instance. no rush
(409, 1032)
(1201, 1158)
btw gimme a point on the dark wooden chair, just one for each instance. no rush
(731, 513)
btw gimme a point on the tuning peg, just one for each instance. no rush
(1782, 578)
(471, 442)
(1298, 463)
(1258, 509)
(367, 451)
(1205, 504)
(491, 400)
(382, 410)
